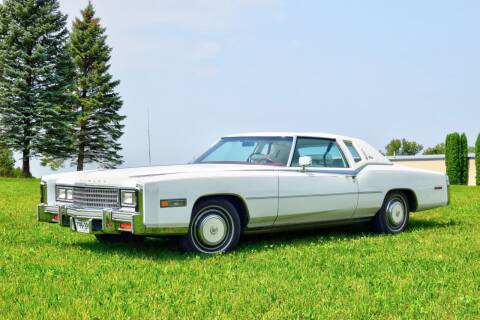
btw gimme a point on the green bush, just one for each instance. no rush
(18, 173)
(463, 159)
(7, 162)
(456, 158)
(452, 157)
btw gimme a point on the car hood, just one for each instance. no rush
(128, 177)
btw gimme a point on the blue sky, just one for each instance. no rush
(370, 69)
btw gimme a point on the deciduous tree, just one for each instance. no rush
(394, 147)
(410, 147)
(438, 149)
(402, 147)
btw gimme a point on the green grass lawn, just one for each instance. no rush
(430, 271)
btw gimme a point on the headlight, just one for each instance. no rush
(70, 194)
(129, 198)
(64, 194)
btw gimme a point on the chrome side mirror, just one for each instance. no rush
(304, 162)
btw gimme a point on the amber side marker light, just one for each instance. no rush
(173, 203)
(126, 225)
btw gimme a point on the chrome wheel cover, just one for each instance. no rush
(396, 213)
(212, 229)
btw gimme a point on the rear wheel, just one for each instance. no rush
(215, 227)
(394, 214)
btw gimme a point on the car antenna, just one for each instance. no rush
(148, 134)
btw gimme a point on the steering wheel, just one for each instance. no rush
(261, 158)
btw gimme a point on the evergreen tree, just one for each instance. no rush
(477, 159)
(98, 123)
(463, 159)
(452, 157)
(35, 72)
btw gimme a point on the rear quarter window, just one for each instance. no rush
(356, 156)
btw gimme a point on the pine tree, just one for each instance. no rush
(463, 159)
(35, 72)
(477, 159)
(98, 123)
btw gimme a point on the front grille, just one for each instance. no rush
(90, 197)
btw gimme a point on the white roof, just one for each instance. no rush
(424, 157)
(290, 134)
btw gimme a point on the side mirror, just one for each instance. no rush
(305, 161)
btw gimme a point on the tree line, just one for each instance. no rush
(58, 100)
(455, 148)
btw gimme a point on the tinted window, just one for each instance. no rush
(324, 152)
(356, 156)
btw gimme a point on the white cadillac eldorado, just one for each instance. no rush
(244, 183)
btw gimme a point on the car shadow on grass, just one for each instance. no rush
(332, 233)
(152, 248)
(167, 248)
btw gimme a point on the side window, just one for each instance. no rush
(356, 156)
(324, 152)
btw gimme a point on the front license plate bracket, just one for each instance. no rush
(82, 225)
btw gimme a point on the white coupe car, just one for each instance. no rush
(244, 183)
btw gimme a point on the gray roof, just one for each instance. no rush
(422, 157)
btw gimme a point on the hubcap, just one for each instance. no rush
(396, 212)
(212, 230)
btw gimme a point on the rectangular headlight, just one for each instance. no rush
(64, 194)
(70, 194)
(129, 198)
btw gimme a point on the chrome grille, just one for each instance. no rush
(91, 197)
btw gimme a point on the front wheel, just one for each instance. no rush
(394, 214)
(215, 227)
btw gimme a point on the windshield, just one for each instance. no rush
(249, 150)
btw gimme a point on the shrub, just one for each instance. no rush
(18, 173)
(452, 157)
(456, 158)
(7, 162)
(463, 159)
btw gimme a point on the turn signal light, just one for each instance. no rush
(173, 203)
(126, 225)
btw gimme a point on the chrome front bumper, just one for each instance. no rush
(106, 221)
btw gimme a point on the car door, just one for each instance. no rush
(325, 191)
